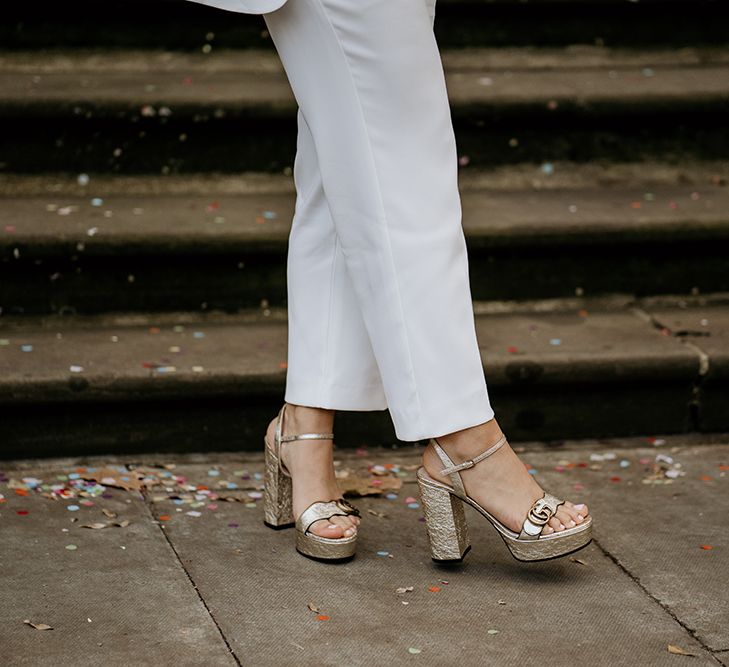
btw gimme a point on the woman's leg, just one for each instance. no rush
(331, 362)
(330, 359)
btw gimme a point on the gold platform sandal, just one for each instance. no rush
(446, 521)
(278, 503)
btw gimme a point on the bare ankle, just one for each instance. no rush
(298, 417)
(464, 443)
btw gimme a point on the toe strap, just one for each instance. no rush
(325, 510)
(539, 514)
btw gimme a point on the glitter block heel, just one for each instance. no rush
(278, 505)
(445, 522)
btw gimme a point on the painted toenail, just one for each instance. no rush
(580, 506)
(571, 523)
(580, 517)
(349, 532)
(561, 526)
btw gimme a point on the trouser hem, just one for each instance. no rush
(445, 417)
(337, 397)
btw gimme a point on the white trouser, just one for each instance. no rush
(380, 312)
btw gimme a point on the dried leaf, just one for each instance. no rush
(369, 485)
(38, 626)
(313, 607)
(129, 480)
(122, 524)
(381, 515)
(578, 560)
(672, 648)
(95, 526)
(108, 513)
(405, 589)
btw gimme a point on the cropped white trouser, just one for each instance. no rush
(380, 312)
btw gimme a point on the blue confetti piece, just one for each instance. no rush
(391, 496)
(383, 553)
(26, 348)
(73, 475)
(555, 341)
(213, 473)
(73, 508)
(198, 334)
(413, 506)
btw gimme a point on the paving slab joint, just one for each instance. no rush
(145, 496)
(657, 601)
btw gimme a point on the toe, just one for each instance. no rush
(555, 524)
(327, 528)
(547, 530)
(570, 516)
(577, 512)
(345, 522)
(565, 519)
(582, 509)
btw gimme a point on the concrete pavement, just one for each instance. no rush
(196, 578)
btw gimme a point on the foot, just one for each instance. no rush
(311, 465)
(500, 483)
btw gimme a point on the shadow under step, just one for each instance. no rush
(190, 382)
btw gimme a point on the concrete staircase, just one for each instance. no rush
(147, 194)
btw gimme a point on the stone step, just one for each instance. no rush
(178, 24)
(212, 242)
(165, 112)
(185, 381)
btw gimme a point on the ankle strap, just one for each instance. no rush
(298, 436)
(453, 469)
(279, 438)
(308, 436)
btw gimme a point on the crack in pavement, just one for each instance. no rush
(189, 578)
(665, 608)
